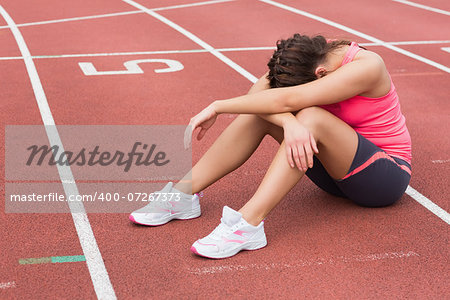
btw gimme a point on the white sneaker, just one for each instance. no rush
(169, 204)
(231, 236)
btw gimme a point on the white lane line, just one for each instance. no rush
(358, 33)
(110, 54)
(118, 14)
(407, 43)
(437, 73)
(303, 263)
(427, 203)
(437, 10)
(75, 19)
(419, 42)
(236, 49)
(195, 39)
(94, 261)
(247, 49)
(192, 4)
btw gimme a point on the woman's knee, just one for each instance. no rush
(311, 117)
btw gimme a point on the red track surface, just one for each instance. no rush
(319, 246)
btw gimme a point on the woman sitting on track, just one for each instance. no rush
(333, 108)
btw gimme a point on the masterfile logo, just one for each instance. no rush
(55, 156)
(95, 152)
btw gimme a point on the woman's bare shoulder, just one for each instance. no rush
(370, 57)
(376, 67)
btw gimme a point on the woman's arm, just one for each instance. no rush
(277, 119)
(352, 79)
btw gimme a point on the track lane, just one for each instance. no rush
(114, 34)
(9, 46)
(230, 31)
(33, 235)
(94, 261)
(54, 9)
(389, 21)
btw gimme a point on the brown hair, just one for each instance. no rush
(296, 58)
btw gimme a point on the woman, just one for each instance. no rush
(333, 108)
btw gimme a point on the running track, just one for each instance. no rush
(319, 246)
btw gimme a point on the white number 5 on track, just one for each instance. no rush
(132, 67)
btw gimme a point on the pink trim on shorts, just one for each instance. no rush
(376, 156)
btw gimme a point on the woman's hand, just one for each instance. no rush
(300, 145)
(205, 119)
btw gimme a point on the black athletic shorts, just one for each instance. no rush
(374, 179)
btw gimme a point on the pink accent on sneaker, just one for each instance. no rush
(132, 219)
(174, 204)
(168, 210)
(206, 244)
(239, 232)
(194, 250)
(233, 241)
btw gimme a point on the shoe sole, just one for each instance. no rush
(249, 247)
(177, 216)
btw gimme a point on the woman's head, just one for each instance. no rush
(296, 59)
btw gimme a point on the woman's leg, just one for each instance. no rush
(231, 149)
(337, 144)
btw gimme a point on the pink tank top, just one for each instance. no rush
(377, 119)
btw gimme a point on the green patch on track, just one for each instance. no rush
(52, 259)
